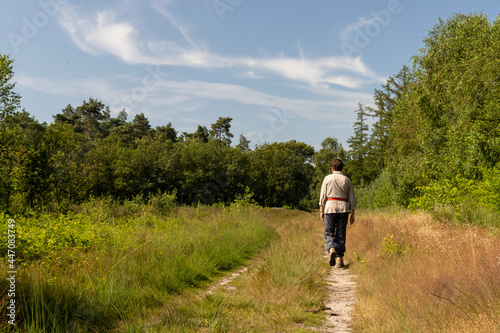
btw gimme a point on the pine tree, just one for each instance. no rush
(385, 103)
(244, 144)
(141, 125)
(359, 148)
(220, 130)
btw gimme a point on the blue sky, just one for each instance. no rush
(281, 69)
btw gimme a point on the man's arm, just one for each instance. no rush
(353, 218)
(322, 200)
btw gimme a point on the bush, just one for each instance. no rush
(379, 194)
(163, 203)
(39, 236)
(463, 200)
(245, 200)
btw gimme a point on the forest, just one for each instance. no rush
(430, 141)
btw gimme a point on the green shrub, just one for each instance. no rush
(392, 248)
(379, 194)
(463, 200)
(163, 203)
(244, 200)
(38, 236)
(488, 190)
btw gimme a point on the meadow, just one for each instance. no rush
(414, 273)
(140, 267)
(88, 270)
(135, 267)
(420, 274)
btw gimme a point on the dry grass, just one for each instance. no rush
(418, 275)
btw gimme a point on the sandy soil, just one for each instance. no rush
(339, 305)
(224, 282)
(341, 302)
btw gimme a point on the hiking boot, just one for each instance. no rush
(332, 256)
(340, 262)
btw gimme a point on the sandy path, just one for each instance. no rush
(341, 300)
(225, 281)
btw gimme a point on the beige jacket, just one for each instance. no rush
(336, 185)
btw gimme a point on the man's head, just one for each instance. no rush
(337, 164)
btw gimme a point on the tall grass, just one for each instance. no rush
(282, 291)
(134, 263)
(420, 275)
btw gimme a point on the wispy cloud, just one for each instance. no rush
(162, 7)
(171, 97)
(347, 34)
(85, 87)
(104, 32)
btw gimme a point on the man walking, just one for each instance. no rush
(336, 201)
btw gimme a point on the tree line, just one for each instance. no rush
(87, 153)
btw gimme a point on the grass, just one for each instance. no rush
(282, 291)
(130, 268)
(420, 275)
(134, 265)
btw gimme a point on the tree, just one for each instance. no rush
(71, 169)
(9, 100)
(330, 149)
(201, 134)
(386, 100)
(141, 125)
(30, 168)
(220, 130)
(23, 159)
(243, 145)
(444, 119)
(92, 113)
(113, 123)
(280, 173)
(359, 148)
(167, 132)
(454, 104)
(90, 118)
(70, 116)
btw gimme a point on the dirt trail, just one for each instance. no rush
(339, 305)
(225, 281)
(341, 300)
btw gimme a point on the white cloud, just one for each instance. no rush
(102, 34)
(347, 34)
(105, 33)
(85, 87)
(252, 75)
(161, 6)
(171, 97)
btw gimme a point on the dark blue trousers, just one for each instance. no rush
(335, 232)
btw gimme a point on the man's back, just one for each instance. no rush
(338, 188)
